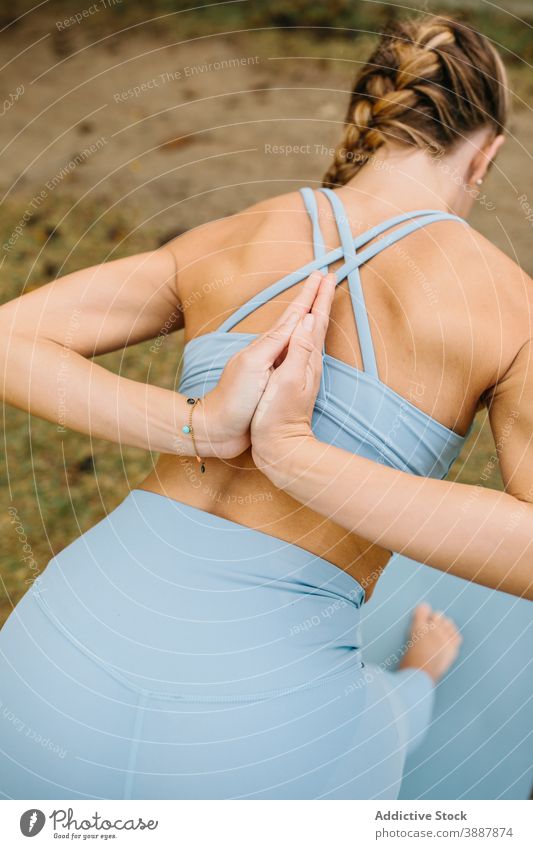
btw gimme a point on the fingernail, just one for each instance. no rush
(315, 276)
(308, 321)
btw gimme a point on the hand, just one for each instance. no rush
(285, 410)
(228, 409)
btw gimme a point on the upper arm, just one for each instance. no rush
(104, 307)
(511, 419)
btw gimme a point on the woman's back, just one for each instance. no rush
(445, 317)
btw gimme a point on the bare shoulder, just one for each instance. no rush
(491, 262)
(461, 241)
(486, 274)
(224, 262)
(231, 235)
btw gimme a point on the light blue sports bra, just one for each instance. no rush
(354, 409)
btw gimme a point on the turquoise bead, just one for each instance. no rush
(186, 429)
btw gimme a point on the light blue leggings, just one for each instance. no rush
(171, 654)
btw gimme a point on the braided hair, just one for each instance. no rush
(428, 83)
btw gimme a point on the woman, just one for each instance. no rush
(202, 640)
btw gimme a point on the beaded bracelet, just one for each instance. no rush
(188, 428)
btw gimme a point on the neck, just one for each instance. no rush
(406, 181)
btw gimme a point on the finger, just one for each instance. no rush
(305, 298)
(300, 305)
(309, 298)
(273, 341)
(301, 348)
(321, 308)
(278, 361)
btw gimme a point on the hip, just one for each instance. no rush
(180, 602)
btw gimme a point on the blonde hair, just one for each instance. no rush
(428, 83)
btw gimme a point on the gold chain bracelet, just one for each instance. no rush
(188, 429)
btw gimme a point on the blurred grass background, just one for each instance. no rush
(60, 484)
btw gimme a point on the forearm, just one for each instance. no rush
(478, 534)
(61, 386)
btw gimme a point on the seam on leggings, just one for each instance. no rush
(134, 747)
(356, 667)
(51, 616)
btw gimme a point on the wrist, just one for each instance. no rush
(280, 457)
(213, 435)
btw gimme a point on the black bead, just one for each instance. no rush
(202, 468)
(191, 400)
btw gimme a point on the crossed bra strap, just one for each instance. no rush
(354, 284)
(354, 258)
(318, 239)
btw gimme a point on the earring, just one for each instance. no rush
(479, 181)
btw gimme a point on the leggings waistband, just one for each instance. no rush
(245, 543)
(183, 604)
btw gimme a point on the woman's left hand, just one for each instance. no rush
(285, 410)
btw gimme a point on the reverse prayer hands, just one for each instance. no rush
(228, 409)
(284, 412)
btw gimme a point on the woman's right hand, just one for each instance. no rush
(230, 406)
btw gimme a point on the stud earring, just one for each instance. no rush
(479, 181)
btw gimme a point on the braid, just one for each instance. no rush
(427, 83)
(359, 140)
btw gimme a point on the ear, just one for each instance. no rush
(483, 158)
